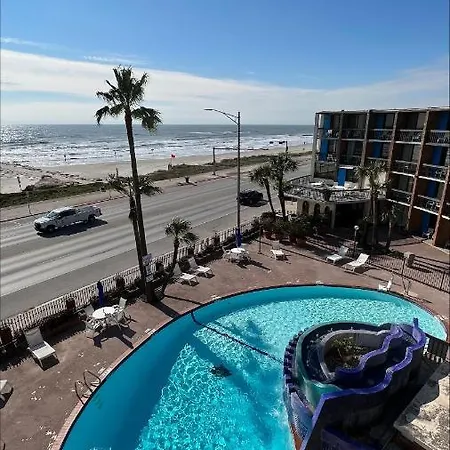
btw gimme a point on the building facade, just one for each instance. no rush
(415, 146)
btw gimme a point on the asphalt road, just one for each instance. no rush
(36, 268)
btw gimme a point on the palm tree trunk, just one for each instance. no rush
(137, 241)
(389, 236)
(374, 220)
(281, 198)
(176, 246)
(269, 196)
(137, 196)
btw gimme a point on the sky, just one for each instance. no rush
(275, 62)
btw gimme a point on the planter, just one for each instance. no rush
(301, 242)
(268, 234)
(279, 236)
(292, 239)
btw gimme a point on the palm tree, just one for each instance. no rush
(391, 214)
(373, 173)
(280, 165)
(180, 230)
(125, 99)
(261, 177)
(125, 186)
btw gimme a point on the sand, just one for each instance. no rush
(86, 173)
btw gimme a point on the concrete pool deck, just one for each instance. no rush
(42, 400)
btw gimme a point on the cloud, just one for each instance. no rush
(114, 59)
(22, 42)
(181, 97)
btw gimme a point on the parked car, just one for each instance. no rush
(250, 197)
(68, 215)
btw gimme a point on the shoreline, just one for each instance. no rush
(88, 173)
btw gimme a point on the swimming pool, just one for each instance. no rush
(165, 396)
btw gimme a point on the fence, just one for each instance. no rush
(38, 315)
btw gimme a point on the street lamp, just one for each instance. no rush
(356, 228)
(237, 120)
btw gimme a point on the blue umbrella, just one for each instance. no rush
(238, 237)
(101, 294)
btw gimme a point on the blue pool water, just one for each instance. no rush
(164, 395)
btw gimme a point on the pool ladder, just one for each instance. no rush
(85, 388)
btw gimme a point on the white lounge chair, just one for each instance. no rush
(357, 263)
(385, 287)
(184, 277)
(5, 389)
(40, 349)
(120, 311)
(277, 253)
(339, 256)
(201, 270)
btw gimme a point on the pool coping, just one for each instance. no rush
(71, 419)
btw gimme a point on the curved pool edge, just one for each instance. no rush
(59, 441)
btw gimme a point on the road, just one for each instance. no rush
(36, 268)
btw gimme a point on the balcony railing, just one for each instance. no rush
(400, 196)
(409, 136)
(439, 137)
(432, 171)
(324, 167)
(336, 196)
(375, 159)
(446, 209)
(328, 134)
(380, 135)
(404, 167)
(350, 160)
(428, 203)
(353, 134)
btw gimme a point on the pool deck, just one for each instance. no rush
(43, 400)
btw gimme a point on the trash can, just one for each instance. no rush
(409, 259)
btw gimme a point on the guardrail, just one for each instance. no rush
(78, 299)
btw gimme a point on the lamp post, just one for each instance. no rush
(356, 228)
(237, 120)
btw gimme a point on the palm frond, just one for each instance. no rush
(189, 238)
(119, 184)
(147, 187)
(149, 117)
(138, 90)
(108, 97)
(101, 113)
(178, 227)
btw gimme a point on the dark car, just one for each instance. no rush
(250, 197)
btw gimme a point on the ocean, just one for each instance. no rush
(53, 145)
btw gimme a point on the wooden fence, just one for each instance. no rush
(40, 314)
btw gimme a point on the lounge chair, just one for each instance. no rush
(200, 270)
(184, 277)
(40, 349)
(5, 389)
(357, 263)
(428, 234)
(385, 287)
(339, 256)
(277, 253)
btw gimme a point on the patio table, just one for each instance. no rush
(101, 313)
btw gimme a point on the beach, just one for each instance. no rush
(11, 172)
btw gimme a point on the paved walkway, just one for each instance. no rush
(42, 400)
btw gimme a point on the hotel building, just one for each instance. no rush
(415, 146)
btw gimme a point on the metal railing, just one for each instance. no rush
(428, 203)
(328, 195)
(325, 169)
(400, 196)
(328, 134)
(350, 160)
(404, 166)
(357, 133)
(433, 171)
(409, 136)
(39, 315)
(380, 135)
(439, 137)
(446, 209)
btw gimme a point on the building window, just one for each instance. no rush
(389, 121)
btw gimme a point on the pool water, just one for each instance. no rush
(165, 396)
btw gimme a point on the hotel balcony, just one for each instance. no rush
(353, 134)
(325, 169)
(406, 167)
(409, 136)
(400, 196)
(434, 172)
(350, 160)
(373, 159)
(429, 203)
(439, 137)
(380, 135)
(328, 134)
(336, 196)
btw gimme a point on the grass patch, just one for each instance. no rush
(178, 171)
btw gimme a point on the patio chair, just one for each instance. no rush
(277, 253)
(386, 287)
(120, 314)
(184, 277)
(200, 270)
(40, 349)
(357, 263)
(428, 234)
(5, 389)
(339, 256)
